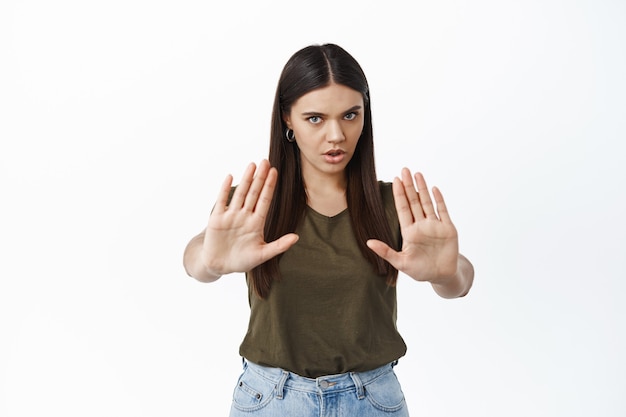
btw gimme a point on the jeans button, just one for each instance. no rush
(324, 384)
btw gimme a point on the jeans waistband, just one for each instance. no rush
(324, 384)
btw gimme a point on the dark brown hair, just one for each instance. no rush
(308, 69)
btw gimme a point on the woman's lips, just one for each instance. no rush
(334, 156)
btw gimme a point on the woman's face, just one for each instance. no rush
(327, 123)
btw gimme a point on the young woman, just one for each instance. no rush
(321, 241)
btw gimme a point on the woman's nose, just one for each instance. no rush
(335, 133)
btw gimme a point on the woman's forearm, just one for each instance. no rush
(193, 263)
(459, 284)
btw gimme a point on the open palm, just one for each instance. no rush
(430, 248)
(234, 239)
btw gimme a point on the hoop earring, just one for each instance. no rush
(291, 137)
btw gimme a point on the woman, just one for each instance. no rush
(321, 241)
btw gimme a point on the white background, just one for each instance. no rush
(120, 119)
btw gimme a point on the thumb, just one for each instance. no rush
(386, 252)
(383, 250)
(280, 245)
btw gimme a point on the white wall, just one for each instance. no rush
(120, 119)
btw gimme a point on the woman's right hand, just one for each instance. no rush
(234, 239)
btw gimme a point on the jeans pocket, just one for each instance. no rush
(385, 393)
(252, 392)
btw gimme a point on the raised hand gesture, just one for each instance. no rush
(430, 248)
(233, 240)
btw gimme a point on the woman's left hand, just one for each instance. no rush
(430, 248)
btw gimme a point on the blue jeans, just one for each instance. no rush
(273, 392)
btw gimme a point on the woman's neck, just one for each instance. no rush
(326, 196)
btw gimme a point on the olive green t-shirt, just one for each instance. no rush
(330, 312)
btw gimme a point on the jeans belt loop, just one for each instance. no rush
(280, 387)
(360, 391)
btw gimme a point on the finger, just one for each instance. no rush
(257, 185)
(405, 216)
(265, 198)
(442, 209)
(427, 203)
(242, 189)
(384, 251)
(222, 197)
(278, 246)
(412, 195)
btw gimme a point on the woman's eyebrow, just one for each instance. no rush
(316, 113)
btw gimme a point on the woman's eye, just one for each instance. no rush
(350, 116)
(315, 119)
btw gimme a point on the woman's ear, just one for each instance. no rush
(287, 120)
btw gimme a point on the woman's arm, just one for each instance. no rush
(193, 262)
(459, 284)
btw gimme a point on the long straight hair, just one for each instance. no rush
(310, 68)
